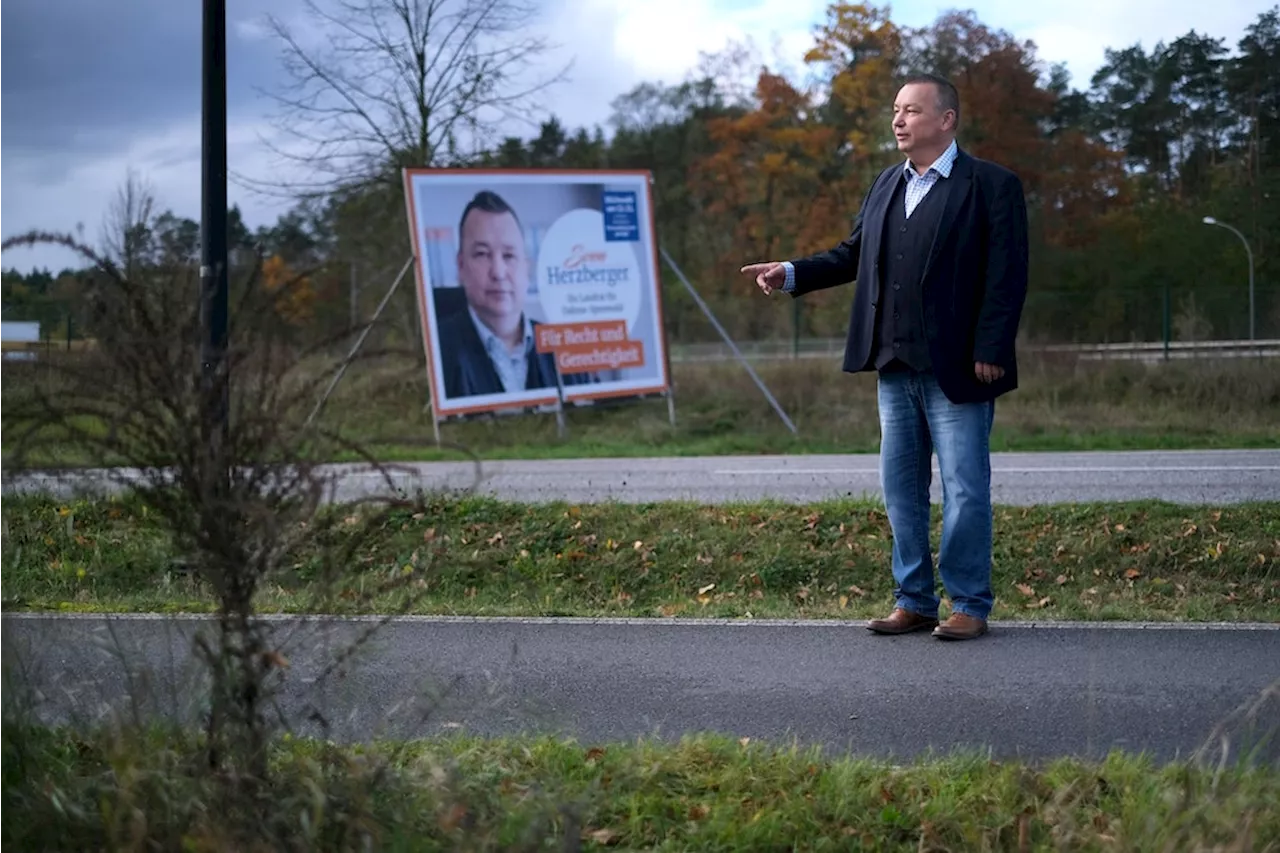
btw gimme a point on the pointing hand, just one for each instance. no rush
(769, 276)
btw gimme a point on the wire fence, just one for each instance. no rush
(1165, 322)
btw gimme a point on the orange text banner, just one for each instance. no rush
(556, 336)
(585, 358)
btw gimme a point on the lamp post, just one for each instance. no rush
(213, 212)
(1209, 220)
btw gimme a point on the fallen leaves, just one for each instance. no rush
(453, 817)
(605, 837)
(778, 562)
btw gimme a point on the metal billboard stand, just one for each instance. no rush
(667, 391)
(737, 354)
(561, 421)
(342, 369)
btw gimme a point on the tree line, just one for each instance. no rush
(755, 163)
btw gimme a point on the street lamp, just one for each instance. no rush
(1209, 220)
(213, 209)
(213, 225)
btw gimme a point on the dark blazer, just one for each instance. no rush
(468, 370)
(974, 284)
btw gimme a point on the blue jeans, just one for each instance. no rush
(917, 420)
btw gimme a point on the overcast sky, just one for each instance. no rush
(92, 88)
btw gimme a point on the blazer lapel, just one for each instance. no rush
(958, 187)
(877, 210)
(479, 374)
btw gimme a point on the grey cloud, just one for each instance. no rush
(83, 76)
(84, 80)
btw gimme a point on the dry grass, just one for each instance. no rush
(828, 560)
(1062, 404)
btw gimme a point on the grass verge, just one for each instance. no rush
(1061, 404)
(100, 791)
(478, 556)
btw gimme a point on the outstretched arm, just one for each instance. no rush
(833, 267)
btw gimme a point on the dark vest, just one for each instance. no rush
(904, 248)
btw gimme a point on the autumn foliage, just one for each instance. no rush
(757, 160)
(296, 298)
(1114, 175)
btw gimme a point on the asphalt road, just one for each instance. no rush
(1020, 691)
(1206, 477)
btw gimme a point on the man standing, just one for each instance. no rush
(939, 252)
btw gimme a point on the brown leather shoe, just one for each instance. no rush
(901, 621)
(961, 626)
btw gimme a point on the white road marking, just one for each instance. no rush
(1066, 469)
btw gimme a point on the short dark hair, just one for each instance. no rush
(948, 97)
(486, 201)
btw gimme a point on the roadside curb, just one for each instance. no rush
(638, 621)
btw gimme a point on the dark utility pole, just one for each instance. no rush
(213, 215)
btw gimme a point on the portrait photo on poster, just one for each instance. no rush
(532, 281)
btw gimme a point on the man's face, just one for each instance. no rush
(492, 266)
(919, 124)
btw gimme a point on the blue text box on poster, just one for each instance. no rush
(621, 217)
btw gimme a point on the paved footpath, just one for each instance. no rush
(1206, 477)
(1039, 691)
(1031, 691)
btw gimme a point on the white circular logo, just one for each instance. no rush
(583, 278)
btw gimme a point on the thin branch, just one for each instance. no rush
(395, 81)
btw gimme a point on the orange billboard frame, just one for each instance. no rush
(463, 182)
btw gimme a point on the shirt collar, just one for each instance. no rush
(942, 165)
(492, 342)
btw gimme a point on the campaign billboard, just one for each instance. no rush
(534, 281)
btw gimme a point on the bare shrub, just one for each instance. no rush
(223, 454)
